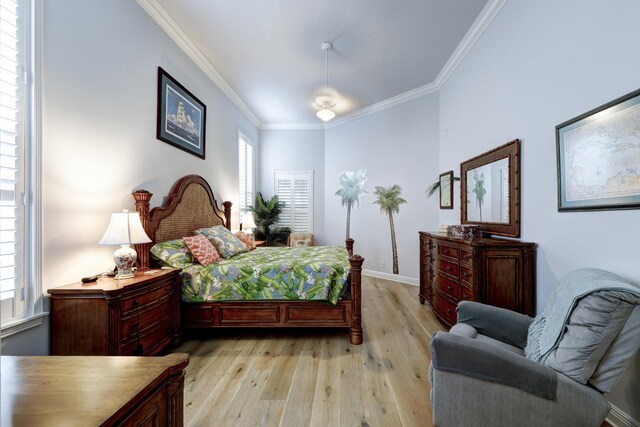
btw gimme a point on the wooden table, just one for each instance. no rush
(92, 390)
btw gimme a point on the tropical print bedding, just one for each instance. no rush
(303, 273)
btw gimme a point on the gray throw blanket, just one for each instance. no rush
(547, 329)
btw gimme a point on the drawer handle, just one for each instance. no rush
(449, 288)
(465, 274)
(449, 268)
(449, 311)
(465, 296)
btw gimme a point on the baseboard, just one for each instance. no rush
(392, 277)
(618, 418)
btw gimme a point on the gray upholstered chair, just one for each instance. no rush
(496, 367)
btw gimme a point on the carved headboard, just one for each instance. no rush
(190, 205)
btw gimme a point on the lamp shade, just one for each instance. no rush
(125, 228)
(247, 221)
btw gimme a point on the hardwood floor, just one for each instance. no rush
(315, 377)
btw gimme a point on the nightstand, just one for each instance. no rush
(137, 316)
(260, 243)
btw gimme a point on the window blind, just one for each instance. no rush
(246, 170)
(295, 192)
(13, 106)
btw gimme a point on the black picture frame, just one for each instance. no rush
(446, 190)
(182, 118)
(598, 157)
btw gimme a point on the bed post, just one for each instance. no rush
(355, 331)
(227, 214)
(349, 244)
(142, 198)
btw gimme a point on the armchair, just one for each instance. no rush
(486, 371)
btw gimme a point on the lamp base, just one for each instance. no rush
(125, 259)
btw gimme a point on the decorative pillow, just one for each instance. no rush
(174, 254)
(223, 240)
(202, 249)
(593, 325)
(246, 239)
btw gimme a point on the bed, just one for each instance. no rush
(191, 205)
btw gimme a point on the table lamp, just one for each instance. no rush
(125, 228)
(248, 224)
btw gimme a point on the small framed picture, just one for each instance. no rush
(446, 190)
(598, 157)
(181, 116)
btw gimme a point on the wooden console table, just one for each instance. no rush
(92, 390)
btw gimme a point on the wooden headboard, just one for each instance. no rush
(190, 205)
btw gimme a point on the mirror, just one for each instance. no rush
(490, 187)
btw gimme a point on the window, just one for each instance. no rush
(295, 191)
(20, 291)
(246, 168)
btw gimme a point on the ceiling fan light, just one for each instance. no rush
(325, 114)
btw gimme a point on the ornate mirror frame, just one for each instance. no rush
(511, 151)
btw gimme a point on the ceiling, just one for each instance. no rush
(269, 51)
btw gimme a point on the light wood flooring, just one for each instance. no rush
(315, 377)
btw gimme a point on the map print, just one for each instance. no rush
(603, 157)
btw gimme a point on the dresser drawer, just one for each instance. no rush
(466, 256)
(444, 308)
(451, 268)
(449, 251)
(466, 274)
(466, 294)
(448, 286)
(150, 340)
(147, 316)
(136, 301)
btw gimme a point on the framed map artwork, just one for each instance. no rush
(598, 157)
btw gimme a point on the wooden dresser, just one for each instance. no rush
(138, 316)
(92, 390)
(493, 271)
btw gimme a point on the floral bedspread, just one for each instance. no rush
(300, 273)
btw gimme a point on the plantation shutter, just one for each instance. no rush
(13, 106)
(295, 192)
(246, 169)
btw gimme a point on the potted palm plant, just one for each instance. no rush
(389, 201)
(266, 214)
(351, 189)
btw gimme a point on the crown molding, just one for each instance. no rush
(488, 13)
(383, 105)
(162, 18)
(486, 16)
(292, 126)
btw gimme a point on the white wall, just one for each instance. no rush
(398, 145)
(295, 150)
(537, 65)
(99, 143)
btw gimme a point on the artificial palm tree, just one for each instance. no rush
(479, 190)
(350, 189)
(389, 201)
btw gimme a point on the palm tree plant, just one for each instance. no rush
(351, 189)
(479, 190)
(266, 213)
(389, 201)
